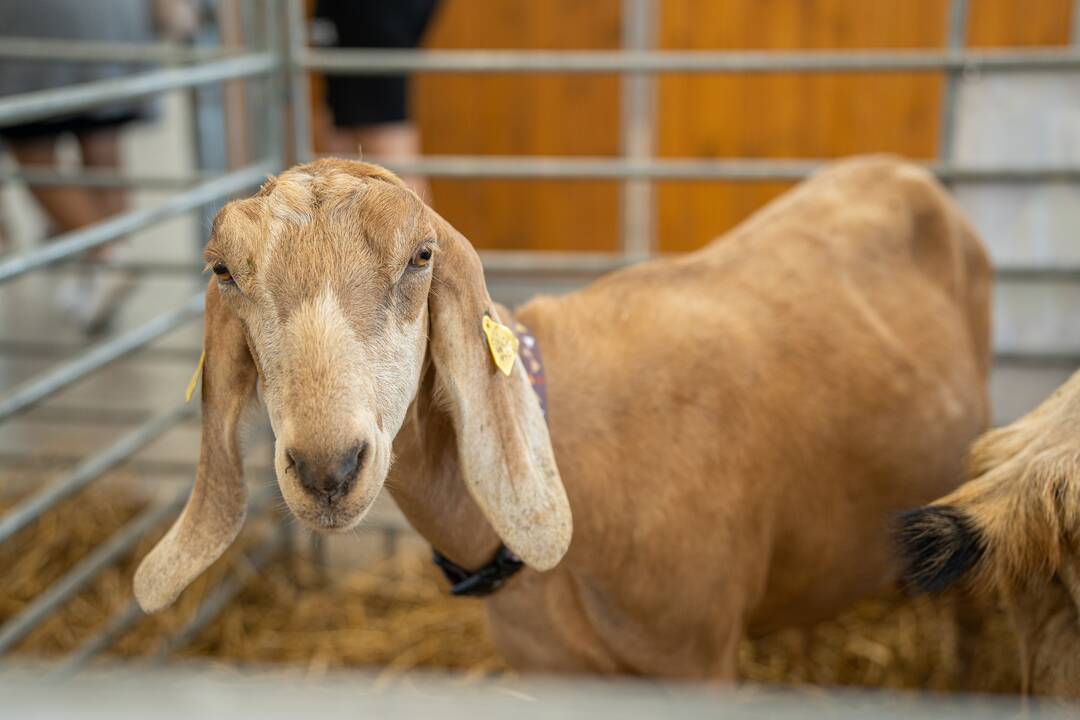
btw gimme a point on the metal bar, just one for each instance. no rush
(96, 416)
(77, 241)
(98, 178)
(93, 51)
(496, 262)
(1017, 357)
(390, 62)
(637, 114)
(526, 167)
(89, 470)
(277, 90)
(59, 350)
(569, 167)
(299, 83)
(27, 462)
(117, 625)
(71, 583)
(141, 267)
(25, 107)
(957, 32)
(222, 595)
(97, 357)
(121, 622)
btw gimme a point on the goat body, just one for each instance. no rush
(729, 432)
(737, 427)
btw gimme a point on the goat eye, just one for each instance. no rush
(421, 257)
(222, 272)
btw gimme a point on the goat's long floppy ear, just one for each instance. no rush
(503, 444)
(215, 511)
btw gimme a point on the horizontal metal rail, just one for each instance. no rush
(515, 262)
(387, 62)
(97, 357)
(526, 167)
(77, 241)
(98, 178)
(89, 568)
(568, 168)
(94, 51)
(25, 107)
(97, 416)
(49, 462)
(91, 469)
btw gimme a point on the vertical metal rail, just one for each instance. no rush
(299, 82)
(637, 119)
(276, 93)
(1075, 35)
(955, 41)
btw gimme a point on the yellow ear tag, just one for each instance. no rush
(195, 378)
(503, 344)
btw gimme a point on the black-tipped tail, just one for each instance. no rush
(939, 545)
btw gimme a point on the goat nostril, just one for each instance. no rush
(329, 481)
(361, 456)
(351, 465)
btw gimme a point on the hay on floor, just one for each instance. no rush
(397, 615)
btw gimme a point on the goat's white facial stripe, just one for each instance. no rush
(322, 358)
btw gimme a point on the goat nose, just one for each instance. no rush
(330, 479)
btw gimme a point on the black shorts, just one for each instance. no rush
(79, 124)
(371, 100)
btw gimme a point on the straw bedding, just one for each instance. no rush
(397, 615)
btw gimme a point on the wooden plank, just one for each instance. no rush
(787, 115)
(528, 115)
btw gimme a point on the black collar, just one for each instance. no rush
(484, 581)
(502, 567)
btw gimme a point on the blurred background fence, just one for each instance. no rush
(580, 138)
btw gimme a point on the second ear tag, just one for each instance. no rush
(503, 344)
(195, 378)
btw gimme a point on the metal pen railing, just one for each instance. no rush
(197, 68)
(284, 60)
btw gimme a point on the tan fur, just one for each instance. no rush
(734, 428)
(1023, 505)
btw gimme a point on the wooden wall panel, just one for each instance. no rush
(810, 115)
(1003, 23)
(787, 115)
(762, 116)
(524, 115)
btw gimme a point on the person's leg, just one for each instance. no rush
(107, 288)
(392, 141)
(100, 149)
(371, 114)
(67, 208)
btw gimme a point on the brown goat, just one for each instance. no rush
(734, 429)
(1012, 532)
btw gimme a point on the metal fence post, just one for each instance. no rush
(637, 115)
(299, 83)
(957, 32)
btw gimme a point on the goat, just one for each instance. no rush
(1012, 533)
(732, 429)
